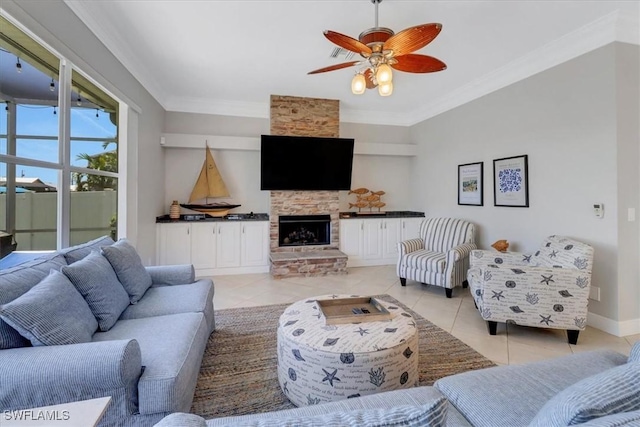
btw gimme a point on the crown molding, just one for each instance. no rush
(119, 47)
(218, 106)
(261, 110)
(628, 28)
(388, 118)
(615, 26)
(583, 40)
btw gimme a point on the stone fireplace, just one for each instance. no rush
(305, 117)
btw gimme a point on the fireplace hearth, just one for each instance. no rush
(304, 230)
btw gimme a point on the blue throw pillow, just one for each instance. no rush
(128, 267)
(51, 313)
(16, 281)
(94, 277)
(634, 356)
(77, 252)
(610, 392)
(432, 414)
(626, 419)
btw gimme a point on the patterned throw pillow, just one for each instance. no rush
(51, 313)
(563, 252)
(128, 267)
(94, 277)
(610, 392)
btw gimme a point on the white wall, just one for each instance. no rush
(564, 119)
(58, 26)
(241, 169)
(628, 135)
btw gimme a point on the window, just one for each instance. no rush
(59, 161)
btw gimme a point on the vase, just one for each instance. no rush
(174, 210)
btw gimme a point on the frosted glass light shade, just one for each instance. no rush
(358, 84)
(385, 89)
(384, 74)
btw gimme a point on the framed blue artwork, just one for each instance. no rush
(511, 182)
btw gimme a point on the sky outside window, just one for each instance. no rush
(40, 120)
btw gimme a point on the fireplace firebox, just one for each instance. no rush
(304, 230)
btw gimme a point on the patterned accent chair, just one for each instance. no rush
(440, 256)
(548, 289)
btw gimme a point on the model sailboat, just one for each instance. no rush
(209, 185)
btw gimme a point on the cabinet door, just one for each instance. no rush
(254, 243)
(203, 244)
(411, 228)
(392, 234)
(228, 245)
(351, 237)
(174, 243)
(372, 239)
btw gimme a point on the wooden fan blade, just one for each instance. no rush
(347, 42)
(413, 63)
(333, 67)
(411, 39)
(368, 76)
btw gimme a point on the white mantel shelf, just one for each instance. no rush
(245, 143)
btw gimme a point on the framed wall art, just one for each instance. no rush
(511, 182)
(470, 186)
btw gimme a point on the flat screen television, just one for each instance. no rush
(305, 163)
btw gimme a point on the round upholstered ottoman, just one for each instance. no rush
(320, 363)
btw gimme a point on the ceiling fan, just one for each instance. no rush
(383, 50)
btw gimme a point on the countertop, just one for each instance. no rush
(206, 218)
(265, 217)
(387, 214)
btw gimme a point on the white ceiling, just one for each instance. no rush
(228, 57)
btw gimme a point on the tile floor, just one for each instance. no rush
(458, 316)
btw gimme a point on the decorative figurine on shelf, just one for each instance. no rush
(367, 199)
(174, 210)
(501, 246)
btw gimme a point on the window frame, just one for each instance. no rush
(64, 167)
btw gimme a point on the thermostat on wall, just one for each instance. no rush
(598, 210)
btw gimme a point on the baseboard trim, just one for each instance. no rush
(613, 327)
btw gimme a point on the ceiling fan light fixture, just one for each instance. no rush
(358, 84)
(385, 89)
(382, 50)
(384, 74)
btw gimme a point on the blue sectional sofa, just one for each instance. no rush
(591, 389)
(146, 356)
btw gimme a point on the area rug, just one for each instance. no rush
(238, 375)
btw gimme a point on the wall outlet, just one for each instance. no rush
(594, 293)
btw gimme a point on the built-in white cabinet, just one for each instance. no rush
(254, 244)
(174, 244)
(228, 244)
(374, 241)
(215, 248)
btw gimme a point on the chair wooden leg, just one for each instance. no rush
(465, 284)
(492, 327)
(449, 292)
(403, 281)
(572, 336)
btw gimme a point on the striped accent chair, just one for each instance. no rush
(440, 256)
